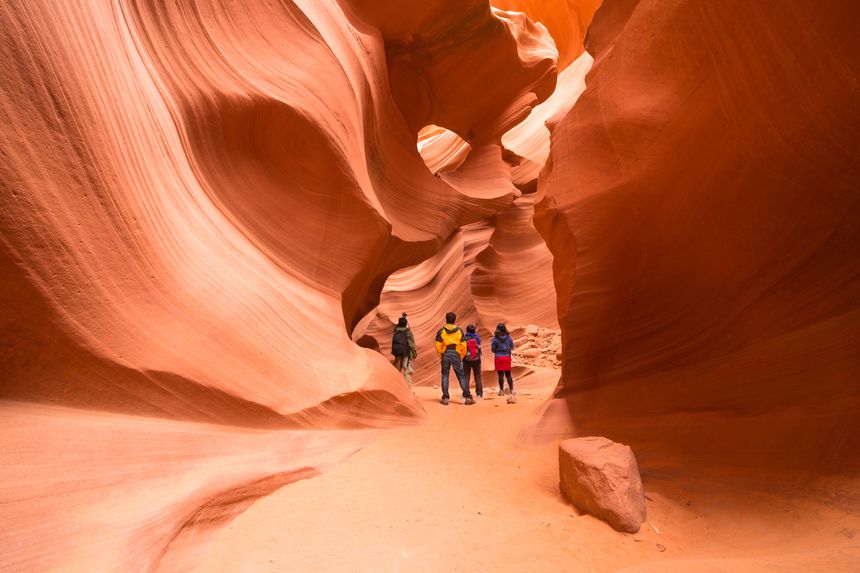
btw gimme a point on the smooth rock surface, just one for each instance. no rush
(198, 203)
(601, 477)
(701, 206)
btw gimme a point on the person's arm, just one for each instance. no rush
(511, 338)
(494, 345)
(461, 344)
(440, 348)
(413, 350)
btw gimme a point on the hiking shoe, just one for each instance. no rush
(444, 401)
(469, 401)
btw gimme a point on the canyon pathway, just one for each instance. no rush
(464, 492)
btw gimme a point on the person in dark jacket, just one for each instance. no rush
(472, 363)
(403, 349)
(502, 346)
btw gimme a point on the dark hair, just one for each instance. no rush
(501, 328)
(402, 320)
(450, 318)
(470, 329)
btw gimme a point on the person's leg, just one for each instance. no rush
(407, 370)
(446, 370)
(479, 388)
(501, 376)
(396, 362)
(510, 380)
(457, 364)
(467, 372)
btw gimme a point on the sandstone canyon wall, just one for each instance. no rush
(198, 202)
(498, 270)
(205, 205)
(502, 270)
(702, 207)
(566, 20)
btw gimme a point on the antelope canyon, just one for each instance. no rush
(214, 214)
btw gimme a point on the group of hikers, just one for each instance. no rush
(458, 351)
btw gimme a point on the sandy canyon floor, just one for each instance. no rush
(462, 493)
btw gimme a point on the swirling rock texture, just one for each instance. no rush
(504, 275)
(702, 208)
(498, 270)
(514, 273)
(426, 292)
(205, 205)
(199, 202)
(566, 20)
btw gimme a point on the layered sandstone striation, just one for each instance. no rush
(701, 206)
(426, 292)
(566, 20)
(199, 203)
(513, 274)
(498, 270)
(212, 214)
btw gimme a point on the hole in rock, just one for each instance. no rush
(441, 149)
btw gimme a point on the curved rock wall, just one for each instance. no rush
(426, 292)
(513, 275)
(503, 270)
(211, 192)
(498, 270)
(566, 20)
(198, 202)
(702, 207)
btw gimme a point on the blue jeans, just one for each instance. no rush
(450, 359)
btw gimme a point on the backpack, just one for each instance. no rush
(471, 349)
(400, 343)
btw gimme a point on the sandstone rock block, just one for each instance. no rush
(601, 477)
(531, 353)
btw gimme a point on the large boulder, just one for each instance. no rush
(601, 477)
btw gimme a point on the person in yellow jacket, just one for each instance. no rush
(451, 348)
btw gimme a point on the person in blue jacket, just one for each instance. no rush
(502, 345)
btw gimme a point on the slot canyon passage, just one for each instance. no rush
(213, 213)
